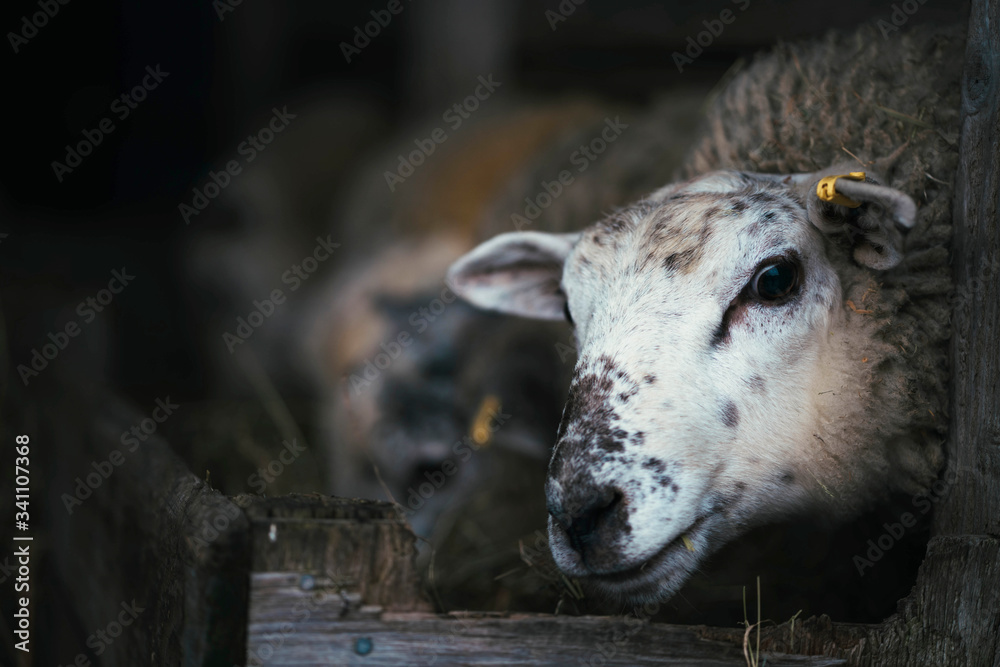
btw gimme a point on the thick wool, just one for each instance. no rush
(890, 106)
(563, 190)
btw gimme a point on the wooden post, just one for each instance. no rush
(974, 448)
(151, 540)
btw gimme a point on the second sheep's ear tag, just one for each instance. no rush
(480, 430)
(826, 189)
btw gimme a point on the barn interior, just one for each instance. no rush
(245, 211)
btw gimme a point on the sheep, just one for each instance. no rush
(749, 352)
(405, 371)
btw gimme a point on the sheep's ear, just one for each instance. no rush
(517, 273)
(872, 216)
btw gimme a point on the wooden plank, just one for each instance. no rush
(483, 639)
(974, 439)
(362, 547)
(150, 536)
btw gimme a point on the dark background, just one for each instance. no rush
(120, 205)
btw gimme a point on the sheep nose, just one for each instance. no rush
(583, 512)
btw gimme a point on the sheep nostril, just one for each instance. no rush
(582, 525)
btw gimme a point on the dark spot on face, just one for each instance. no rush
(739, 206)
(759, 198)
(674, 487)
(589, 412)
(649, 379)
(741, 486)
(788, 477)
(730, 415)
(614, 223)
(626, 395)
(638, 438)
(769, 215)
(720, 336)
(611, 446)
(679, 260)
(735, 314)
(654, 464)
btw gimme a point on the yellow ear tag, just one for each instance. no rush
(480, 432)
(687, 542)
(826, 190)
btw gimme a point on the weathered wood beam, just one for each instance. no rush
(365, 637)
(150, 534)
(971, 508)
(359, 547)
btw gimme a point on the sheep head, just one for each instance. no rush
(717, 363)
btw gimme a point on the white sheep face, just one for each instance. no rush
(703, 318)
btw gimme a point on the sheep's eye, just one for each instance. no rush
(776, 281)
(569, 318)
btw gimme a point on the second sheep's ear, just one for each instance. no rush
(873, 217)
